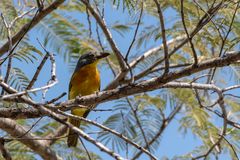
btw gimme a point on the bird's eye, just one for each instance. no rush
(90, 56)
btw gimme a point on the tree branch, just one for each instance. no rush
(56, 117)
(165, 47)
(188, 36)
(151, 84)
(20, 113)
(37, 146)
(148, 85)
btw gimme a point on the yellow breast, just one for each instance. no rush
(85, 81)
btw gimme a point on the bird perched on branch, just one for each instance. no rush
(84, 81)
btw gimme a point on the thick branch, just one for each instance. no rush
(145, 86)
(152, 84)
(19, 113)
(37, 146)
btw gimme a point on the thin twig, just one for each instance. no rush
(9, 33)
(188, 36)
(21, 16)
(39, 68)
(235, 96)
(33, 125)
(232, 147)
(135, 114)
(135, 33)
(152, 51)
(111, 65)
(55, 135)
(230, 122)
(171, 66)
(165, 123)
(85, 148)
(202, 22)
(225, 38)
(231, 88)
(165, 46)
(89, 23)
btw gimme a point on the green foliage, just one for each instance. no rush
(18, 79)
(63, 33)
(125, 4)
(27, 53)
(120, 28)
(7, 9)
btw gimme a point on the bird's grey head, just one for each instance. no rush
(89, 58)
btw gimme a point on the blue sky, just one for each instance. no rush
(172, 142)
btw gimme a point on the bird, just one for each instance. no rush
(85, 80)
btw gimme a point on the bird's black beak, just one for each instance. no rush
(102, 55)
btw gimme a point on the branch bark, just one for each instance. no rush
(145, 86)
(37, 146)
(151, 84)
(20, 113)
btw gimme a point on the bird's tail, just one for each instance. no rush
(72, 136)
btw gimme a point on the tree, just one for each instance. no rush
(190, 76)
